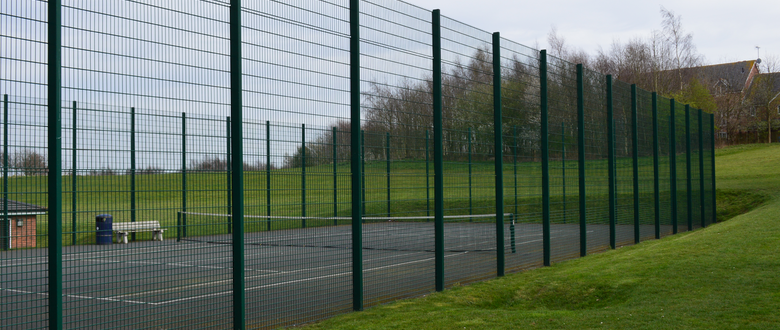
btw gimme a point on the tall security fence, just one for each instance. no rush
(207, 164)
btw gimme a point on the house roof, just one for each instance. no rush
(730, 77)
(19, 207)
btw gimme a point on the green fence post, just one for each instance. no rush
(514, 171)
(438, 161)
(184, 174)
(712, 160)
(5, 231)
(387, 160)
(73, 181)
(611, 164)
(132, 170)
(363, 170)
(545, 157)
(656, 174)
(268, 173)
(427, 176)
(688, 179)
(236, 113)
(355, 156)
(228, 166)
(471, 205)
(635, 151)
(701, 170)
(581, 158)
(55, 163)
(178, 226)
(673, 163)
(335, 177)
(499, 157)
(563, 168)
(303, 175)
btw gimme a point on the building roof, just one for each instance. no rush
(729, 77)
(20, 208)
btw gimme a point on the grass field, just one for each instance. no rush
(160, 196)
(726, 276)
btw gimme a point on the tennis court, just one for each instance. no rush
(309, 268)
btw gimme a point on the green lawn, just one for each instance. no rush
(159, 196)
(726, 276)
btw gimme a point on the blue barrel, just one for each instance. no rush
(105, 229)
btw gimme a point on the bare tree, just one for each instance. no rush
(29, 162)
(680, 43)
(764, 94)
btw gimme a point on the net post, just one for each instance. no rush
(132, 170)
(635, 151)
(268, 174)
(712, 160)
(355, 156)
(673, 163)
(236, 113)
(688, 179)
(73, 180)
(183, 226)
(512, 232)
(303, 175)
(363, 171)
(178, 226)
(335, 177)
(387, 156)
(581, 158)
(701, 170)
(656, 174)
(55, 164)
(499, 157)
(611, 164)
(5, 230)
(438, 161)
(545, 157)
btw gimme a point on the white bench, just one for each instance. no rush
(122, 229)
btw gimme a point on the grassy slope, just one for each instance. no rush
(721, 277)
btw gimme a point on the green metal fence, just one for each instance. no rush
(272, 164)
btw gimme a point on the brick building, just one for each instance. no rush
(20, 229)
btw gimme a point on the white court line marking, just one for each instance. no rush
(80, 297)
(258, 276)
(295, 281)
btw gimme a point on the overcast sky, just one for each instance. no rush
(723, 30)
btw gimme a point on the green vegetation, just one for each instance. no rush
(722, 277)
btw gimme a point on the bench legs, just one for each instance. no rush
(121, 237)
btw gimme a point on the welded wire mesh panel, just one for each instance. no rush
(468, 146)
(624, 173)
(596, 161)
(664, 165)
(396, 64)
(706, 174)
(23, 211)
(695, 192)
(133, 68)
(681, 167)
(296, 91)
(522, 155)
(564, 174)
(646, 179)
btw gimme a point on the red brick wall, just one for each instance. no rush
(23, 237)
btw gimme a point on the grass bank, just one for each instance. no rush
(726, 276)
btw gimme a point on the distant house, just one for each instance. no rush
(20, 230)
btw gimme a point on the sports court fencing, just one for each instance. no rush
(305, 159)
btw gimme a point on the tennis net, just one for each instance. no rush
(462, 233)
